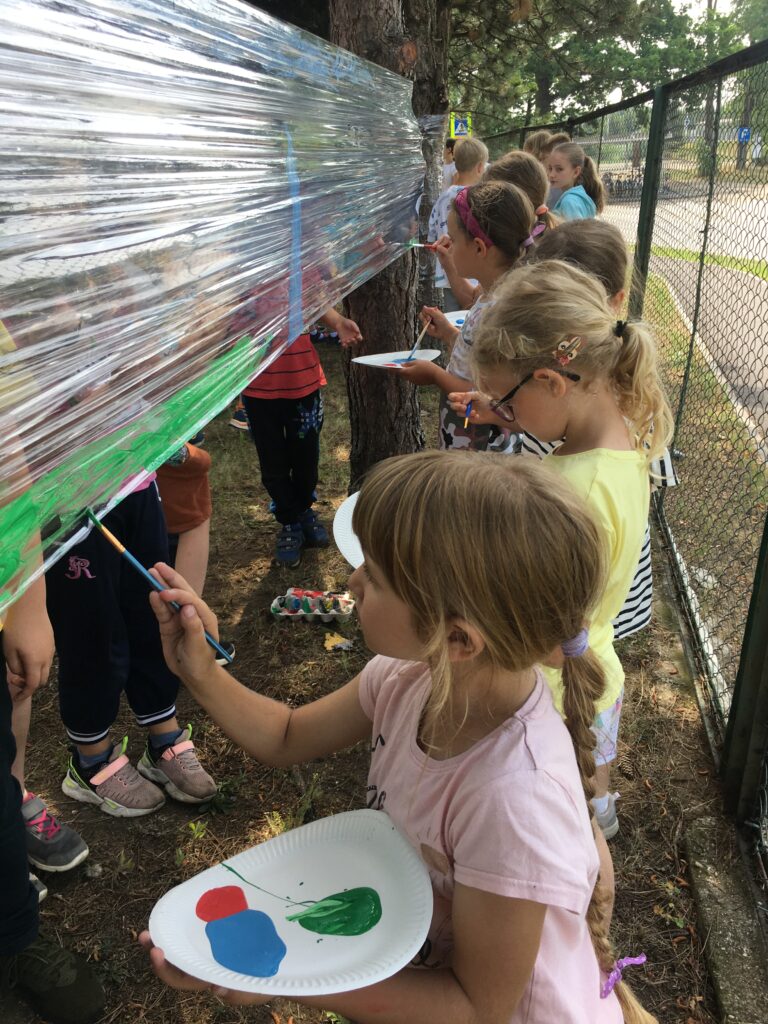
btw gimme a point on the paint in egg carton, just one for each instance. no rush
(313, 605)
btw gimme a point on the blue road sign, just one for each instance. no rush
(744, 134)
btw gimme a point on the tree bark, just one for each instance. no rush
(410, 37)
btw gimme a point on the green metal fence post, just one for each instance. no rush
(648, 198)
(746, 737)
(600, 143)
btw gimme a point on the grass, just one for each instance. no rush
(756, 267)
(99, 908)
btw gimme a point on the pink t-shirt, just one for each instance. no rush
(508, 816)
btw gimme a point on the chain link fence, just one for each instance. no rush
(685, 168)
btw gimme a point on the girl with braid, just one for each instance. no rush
(476, 570)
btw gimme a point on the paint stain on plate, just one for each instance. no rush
(352, 912)
(242, 940)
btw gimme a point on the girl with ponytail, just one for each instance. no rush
(470, 759)
(558, 364)
(570, 169)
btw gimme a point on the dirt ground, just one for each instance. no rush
(665, 774)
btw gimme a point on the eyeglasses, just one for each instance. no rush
(500, 408)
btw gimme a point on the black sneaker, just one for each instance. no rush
(57, 984)
(51, 846)
(230, 649)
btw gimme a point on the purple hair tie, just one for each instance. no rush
(533, 235)
(577, 646)
(615, 976)
(468, 218)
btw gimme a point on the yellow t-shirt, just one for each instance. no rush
(615, 485)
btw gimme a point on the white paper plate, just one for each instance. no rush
(386, 359)
(457, 319)
(343, 534)
(346, 851)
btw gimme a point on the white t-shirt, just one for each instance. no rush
(509, 817)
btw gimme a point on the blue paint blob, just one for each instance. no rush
(246, 942)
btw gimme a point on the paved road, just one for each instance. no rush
(733, 318)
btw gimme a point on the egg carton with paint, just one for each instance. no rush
(313, 605)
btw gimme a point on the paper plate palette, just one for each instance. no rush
(457, 319)
(389, 360)
(343, 534)
(332, 906)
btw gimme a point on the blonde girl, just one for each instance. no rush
(491, 226)
(558, 364)
(541, 143)
(570, 169)
(476, 767)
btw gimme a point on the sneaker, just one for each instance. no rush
(51, 846)
(59, 986)
(239, 419)
(290, 544)
(177, 768)
(315, 534)
(40, 887)
(116, 787)
(230, 649)
(608, 821)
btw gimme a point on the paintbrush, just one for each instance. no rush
(418, 341)
(156, 584)
(467, 411)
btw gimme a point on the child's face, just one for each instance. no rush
(539, 406)
(465, 250)
(385, 620)
(561, 172)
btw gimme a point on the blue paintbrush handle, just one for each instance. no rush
(157, 585)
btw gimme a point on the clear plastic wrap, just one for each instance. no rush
(185, 187)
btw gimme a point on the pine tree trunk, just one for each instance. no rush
(384, 411)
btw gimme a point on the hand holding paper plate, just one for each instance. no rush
(332, 906)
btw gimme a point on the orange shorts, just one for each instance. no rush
(185, 492)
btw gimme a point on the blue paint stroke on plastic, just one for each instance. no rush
(295, 298)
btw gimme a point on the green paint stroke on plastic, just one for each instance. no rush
(344, 913)
(93, 473)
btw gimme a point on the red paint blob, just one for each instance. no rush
(221, 902)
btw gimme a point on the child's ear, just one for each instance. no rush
(464, 640)
(555, 382)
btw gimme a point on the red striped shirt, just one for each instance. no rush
(294, 374)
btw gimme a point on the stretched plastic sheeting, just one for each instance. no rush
(185, 187)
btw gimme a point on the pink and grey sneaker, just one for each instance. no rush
(116, 787)
(177, 768)
(51, 846)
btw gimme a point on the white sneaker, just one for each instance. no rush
(608, 820)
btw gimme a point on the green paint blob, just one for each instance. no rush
(344, 913)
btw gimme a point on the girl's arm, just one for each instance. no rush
(347, 330)
(269, 730)
(420, 371)
(496, 942)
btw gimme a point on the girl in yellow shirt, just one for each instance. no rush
(558, 364)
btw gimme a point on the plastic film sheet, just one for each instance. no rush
(185, 187)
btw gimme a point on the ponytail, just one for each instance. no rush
(583, 685)
(593, 184)
(638, 387)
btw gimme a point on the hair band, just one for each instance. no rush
(541, 210)
(567, 350)
(529, 241)
(576, 646)
(621, 326)
(468, 218)
(615, 976)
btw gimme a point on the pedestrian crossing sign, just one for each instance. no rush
(461, 125)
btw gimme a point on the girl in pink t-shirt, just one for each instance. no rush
(476, 569)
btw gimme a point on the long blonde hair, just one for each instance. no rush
(506, 545)
(543, 304)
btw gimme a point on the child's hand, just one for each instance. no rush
(185, 648)
(28, 643)
(439, 324)
(443, 249)
(418, 371)
(174, 977)
(348, 332)
(481, 407)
